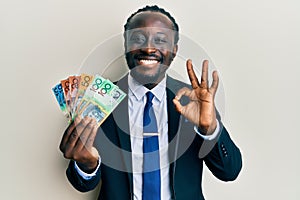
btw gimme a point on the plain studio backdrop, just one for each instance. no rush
(255, 45)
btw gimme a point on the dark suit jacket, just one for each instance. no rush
(187, 151)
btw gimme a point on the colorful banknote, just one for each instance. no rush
(105, 95)
(85, 81)
(90, 91)
(88, 95)
(73, 88)
(59, 95)
(91, 109)
(66, 89)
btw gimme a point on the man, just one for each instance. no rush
(134, 161)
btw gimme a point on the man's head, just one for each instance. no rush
(151, 36)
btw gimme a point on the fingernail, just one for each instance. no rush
(94, 121)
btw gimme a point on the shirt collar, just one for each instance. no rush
(139, 90)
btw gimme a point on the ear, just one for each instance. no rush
(125, 41)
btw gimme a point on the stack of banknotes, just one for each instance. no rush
(87, 95)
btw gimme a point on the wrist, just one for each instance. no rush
(88, 167)
(208, 130)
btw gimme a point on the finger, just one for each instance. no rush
(178, 106)
(90, 142)
(67, 133)
(81, 142)
(183, 92)
(192, 76)
(76, 133)
(215, 82)
(204, 75)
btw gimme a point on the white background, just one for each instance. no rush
(254, 44)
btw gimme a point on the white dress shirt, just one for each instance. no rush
(136, 103)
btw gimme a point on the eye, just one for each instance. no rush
(138, 38)
(159, 40)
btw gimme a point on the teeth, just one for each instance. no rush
(148, 62)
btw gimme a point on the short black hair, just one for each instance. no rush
(155, 8)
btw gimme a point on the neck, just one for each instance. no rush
(150, 85)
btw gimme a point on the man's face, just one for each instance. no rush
(149, 46)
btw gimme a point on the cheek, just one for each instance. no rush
(130, 56)
(132, 47)
(168, 55)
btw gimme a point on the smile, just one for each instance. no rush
(148, 62)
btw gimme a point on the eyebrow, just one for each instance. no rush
(140, 31)
(161, 33)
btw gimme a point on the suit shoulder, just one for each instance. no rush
(175, 84)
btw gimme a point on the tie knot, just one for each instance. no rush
(149, 97)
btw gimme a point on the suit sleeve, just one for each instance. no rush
(224, 160)
(80, 183)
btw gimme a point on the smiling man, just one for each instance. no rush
(150, 46)
(154, 144)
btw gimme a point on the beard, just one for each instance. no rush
(143, 74)
(147, 79)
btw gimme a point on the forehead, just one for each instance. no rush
(150, 19)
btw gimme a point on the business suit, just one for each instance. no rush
(224, 159)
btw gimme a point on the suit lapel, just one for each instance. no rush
(121, 117)
(173, 115)
(173, 125)
(122, 121)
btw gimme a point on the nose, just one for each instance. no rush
(148, 47)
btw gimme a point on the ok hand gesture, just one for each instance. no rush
(201, 108)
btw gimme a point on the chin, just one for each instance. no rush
(146, 78)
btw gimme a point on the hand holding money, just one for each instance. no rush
(87, 101)
(77, 143)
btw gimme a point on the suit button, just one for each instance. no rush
(225, 153)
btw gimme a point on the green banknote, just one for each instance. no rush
(106, 97)
(110, 100)
(93, 110)
(103, 95)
